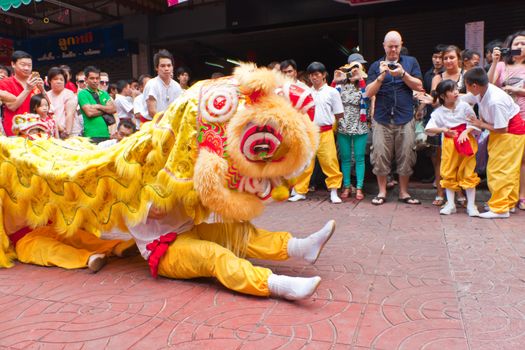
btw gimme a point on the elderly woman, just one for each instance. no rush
(352, 129)
(63, 104)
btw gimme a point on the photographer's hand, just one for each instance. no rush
(383, 67)
(398, 72)
(339, 76)
(32, 82)
(496, 55)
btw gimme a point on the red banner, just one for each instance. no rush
(6, 50)
(175, 2)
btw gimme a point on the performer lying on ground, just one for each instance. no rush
(217, 250)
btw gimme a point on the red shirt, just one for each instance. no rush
(71, 86)
(12, 85)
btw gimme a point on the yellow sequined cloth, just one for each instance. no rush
(73, 184)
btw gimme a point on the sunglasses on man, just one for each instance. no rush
(104, 82)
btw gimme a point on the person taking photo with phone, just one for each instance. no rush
(23, 84)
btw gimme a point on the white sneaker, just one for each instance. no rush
(96, 262)
(492, 215)
(292, 288)
(472, 211)
(448, 209)
(512, 210)
(297, 197)
(310, 248)
(334, 198)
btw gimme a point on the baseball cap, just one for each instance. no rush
(356, 57)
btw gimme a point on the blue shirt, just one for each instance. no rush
(394, 101)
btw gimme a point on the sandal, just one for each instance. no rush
(521, 204)
(409, 200)
(345, 193)
(378, 200)
(359, 194)
(438, 201)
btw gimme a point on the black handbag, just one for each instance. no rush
(108, 118)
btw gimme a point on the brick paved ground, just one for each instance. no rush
(394, 277)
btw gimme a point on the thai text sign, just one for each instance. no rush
(82, 45)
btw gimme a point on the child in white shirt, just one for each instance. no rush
(459, 147)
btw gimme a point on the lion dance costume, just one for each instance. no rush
(207, 163)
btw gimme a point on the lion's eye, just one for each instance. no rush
(218, 102)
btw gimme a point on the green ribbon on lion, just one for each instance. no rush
(6, 5)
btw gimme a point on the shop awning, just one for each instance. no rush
(6, 5)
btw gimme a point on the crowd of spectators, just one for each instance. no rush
(382, 106)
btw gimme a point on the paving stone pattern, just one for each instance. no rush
(394, 277)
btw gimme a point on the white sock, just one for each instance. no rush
(334, 198)
(310, 247)
(292, 288)
(451, 194)
(471, 197)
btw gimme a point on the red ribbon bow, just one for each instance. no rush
(158, 248)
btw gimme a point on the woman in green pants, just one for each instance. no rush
(352, 129)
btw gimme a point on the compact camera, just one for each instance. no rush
(392, 65)
(348, 71)
(508, 52)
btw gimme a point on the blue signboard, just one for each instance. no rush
(73, 46)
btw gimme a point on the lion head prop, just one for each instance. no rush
(32, 126)
(221, 148)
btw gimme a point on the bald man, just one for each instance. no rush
(391, 79)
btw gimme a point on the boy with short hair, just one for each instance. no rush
(500, 115)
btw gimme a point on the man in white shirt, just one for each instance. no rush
(289, 68)
(139, 105)
(500, 115)
(162, 90)
(328, 107)
(124, 101)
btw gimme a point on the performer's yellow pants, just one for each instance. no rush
(458, 171)
(196, 253)
(327, 155)
(44, 247)
(503, 170)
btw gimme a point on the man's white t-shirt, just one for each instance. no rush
(162, 93)
(124, 107)
(327, 104)
(139, 106)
